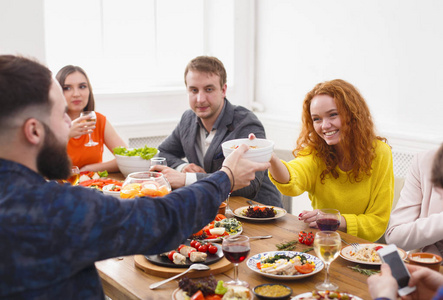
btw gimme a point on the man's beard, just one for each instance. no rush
(53, 161)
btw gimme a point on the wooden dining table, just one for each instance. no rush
(122, 279)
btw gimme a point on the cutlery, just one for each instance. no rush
(354, 245)
(260, 237)
(251, 203)
(199, 267)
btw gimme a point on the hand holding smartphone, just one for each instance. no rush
(390, 255)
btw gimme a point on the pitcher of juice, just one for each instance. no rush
(139, 184)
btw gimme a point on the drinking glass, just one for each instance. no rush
(91, 143)
(139, 184)
(75, 175)
(328, 219)
(236, 249)
(159, 161)
(228, 211)
(327, 246)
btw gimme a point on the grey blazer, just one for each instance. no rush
(237, 122)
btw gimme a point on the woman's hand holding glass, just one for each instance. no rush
(92, 119)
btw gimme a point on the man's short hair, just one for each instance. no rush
(23, 83)
(207, 64)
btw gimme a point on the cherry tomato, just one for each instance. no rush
(192, 244)
(171, 255)
(189, 253)
(180, 247)
(197, 244)
(203, 248)
(213, 297)
(219, 217)
(212, 249)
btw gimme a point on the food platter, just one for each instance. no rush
(346, 254)
(308, 295)
(165, 262)
(219, 239)
(239, 212)
(252, 264)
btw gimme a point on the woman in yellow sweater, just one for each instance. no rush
(340, 161)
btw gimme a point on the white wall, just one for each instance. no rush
(390, 50)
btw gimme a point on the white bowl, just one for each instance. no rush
(107, 191)
(262, 152)
(131, 164)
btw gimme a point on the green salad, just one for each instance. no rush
(144, 152)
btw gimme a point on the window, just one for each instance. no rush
(137, 45)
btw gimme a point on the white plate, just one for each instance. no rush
(219, 239)
(177, 294)
(239, 213)
(309, 294)
(345, 253)
(252, 264)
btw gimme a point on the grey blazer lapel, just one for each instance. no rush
(214, 151)
(189, 141)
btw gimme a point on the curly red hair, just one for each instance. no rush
(358, 133)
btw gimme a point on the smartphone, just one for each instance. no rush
(390, 255)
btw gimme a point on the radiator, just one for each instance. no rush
(150, 141)
(402, 162)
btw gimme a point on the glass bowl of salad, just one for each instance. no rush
(139, 184)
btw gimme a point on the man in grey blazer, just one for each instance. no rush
(211, 121)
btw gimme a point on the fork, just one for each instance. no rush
(354, 245)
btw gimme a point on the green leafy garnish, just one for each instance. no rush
(144, 152)
(103, 173)
(220, 289)
(367, 272)
(287, 246)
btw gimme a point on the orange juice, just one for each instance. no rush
(73, 179)
(149, 188)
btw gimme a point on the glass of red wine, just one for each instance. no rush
(236, 249)
(328, 219)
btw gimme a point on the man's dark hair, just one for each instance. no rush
(437, 168)
(23, 83)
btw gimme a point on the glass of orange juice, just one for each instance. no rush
(75, 175)
(139, 184)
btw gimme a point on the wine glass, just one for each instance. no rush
(236, 249)
(327, 246)
(159, 161)
(228, 210)
(75, 175)
(91, 143)
(139, 184)
(328, 219)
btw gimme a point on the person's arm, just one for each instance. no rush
(112, 227)
(408, 229)
(111, 140)
(278, 170)
(427, 282)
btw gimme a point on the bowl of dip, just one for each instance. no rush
(272, 291)
(424, 259)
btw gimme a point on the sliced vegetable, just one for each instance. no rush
(305, 269)
(198, 296)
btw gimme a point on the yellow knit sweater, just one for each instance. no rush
(366, 205)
